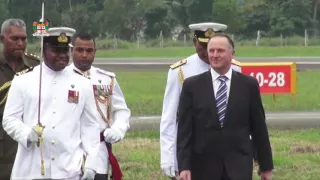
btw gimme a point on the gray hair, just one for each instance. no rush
(12, 22)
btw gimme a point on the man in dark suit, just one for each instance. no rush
(218, 110)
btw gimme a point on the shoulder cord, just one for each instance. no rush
(106, 101)
(4, 87)
(180, 74)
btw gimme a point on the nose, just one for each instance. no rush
(213, 54)
(20, 42)
(63, 55)
(84, 54)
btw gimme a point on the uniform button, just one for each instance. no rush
(53, 142)
(53, 112)
(53, 127)
(53, 158)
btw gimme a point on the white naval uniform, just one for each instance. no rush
(69, 127)
(168, 125)
(120, 113)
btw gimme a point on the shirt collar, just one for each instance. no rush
(87, 73)
(24, 60)
(216, 75)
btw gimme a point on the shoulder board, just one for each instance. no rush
(111, 74)
(24, 71)
(32, 56)
(235, 62)
(178, 64)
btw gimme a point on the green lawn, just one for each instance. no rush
(296, 155)
(246, 51)
(144, 93)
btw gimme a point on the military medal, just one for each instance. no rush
(73, 96)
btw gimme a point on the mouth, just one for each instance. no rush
(62, 62)
(19, 50)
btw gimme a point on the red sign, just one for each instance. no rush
(273, 78)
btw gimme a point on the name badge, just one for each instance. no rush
(73, 96)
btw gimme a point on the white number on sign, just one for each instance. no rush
(272, 82)
(274, 79)
(280, 79)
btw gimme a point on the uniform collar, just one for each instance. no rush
(4, 61)
(52, 72)
(86, 73)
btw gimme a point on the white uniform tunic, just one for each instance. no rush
(69, 129)
(120, 113)
(168, 127)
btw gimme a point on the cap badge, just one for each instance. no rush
(209, 33)
(63, 38)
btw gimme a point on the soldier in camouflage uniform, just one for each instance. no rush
(13, 61)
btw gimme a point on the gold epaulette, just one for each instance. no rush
(24, 71)
(178, 64)
(235, 62)
(32, 56)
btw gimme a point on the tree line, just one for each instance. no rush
(130, 19)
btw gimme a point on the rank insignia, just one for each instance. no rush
(73, 96)
(209, 33)
(63, 38)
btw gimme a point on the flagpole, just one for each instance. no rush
(42, 17)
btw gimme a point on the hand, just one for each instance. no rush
(111, 135)
(267, 175)
(33, 136)
(88, 174)
(169, 171)
(185, 175)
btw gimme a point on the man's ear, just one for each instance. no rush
(195, 42)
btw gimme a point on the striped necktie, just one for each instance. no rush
(221, 99)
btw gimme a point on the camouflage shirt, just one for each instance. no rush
(8, 146)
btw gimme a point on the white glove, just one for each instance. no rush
(111, 135)
(88, 174)
(169, 171)
(33, 135)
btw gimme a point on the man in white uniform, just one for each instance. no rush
(193, 65)
(51, 143)
(113, 114)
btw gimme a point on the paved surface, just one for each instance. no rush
(279, 120)
(162, 64)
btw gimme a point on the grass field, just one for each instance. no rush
(246, 51)
(144, 93)
(296, 155)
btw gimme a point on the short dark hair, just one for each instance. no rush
(230, 41)
(82, 36)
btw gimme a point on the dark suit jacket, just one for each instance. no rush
(204, 147)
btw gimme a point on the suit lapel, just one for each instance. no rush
(234, 86)
(211, 100)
